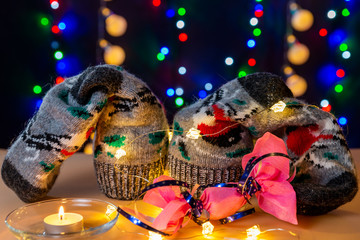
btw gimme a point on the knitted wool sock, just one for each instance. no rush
(64, 121)
(69, 113)
(325, 171)
(131, 140)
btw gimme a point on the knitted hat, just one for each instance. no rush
(325, 176)
(131, 140)
(68, 115)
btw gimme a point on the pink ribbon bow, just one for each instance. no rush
(276, 195)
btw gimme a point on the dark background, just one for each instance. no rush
(216, 30)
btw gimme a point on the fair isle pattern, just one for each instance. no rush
(325, 177)
(70, 112)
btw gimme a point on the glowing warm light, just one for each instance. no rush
(254, 21)
(61, 213)
(208, 228)
(171, 134)
(180, 24)
(109, 210)
(298, 54)
(183, 37)
(291, 38)
(323, 32)
(251, 62)
(115, 25)
(120, 153)
(302, 20)
(88, 150)
(331, 14)
(278, 107)
(114, 55)
(253, 233)
(105, 12)
(103, 43)
(297, 85)
(229, 61)
(193, 133)
(288, 70)
(155, 236)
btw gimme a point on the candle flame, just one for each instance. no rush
(208, 228)
(61, 213)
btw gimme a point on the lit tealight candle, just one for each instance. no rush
(62, 222)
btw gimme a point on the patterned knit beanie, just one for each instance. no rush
(261, 102)
(69, 114)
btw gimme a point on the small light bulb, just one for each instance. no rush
(193, 133)
(171, 134)
(154, 236)
(119, 153)
(109, 210)
(278, 107)
(253, 232)
(208, 228)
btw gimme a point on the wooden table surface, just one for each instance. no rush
(77, 180)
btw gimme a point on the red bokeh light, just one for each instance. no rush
(340, 73)
(183, 37)
(156, 3)
(327, 108)
(59, 80)
(55, 29)
(323, 32)
(251, 62)
(259, 13)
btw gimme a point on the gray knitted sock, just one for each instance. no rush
(69, 113)
(326, 176)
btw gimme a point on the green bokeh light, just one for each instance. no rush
(37, 89)
(44, 21)
(343, 47)
(345, 12)
(257, 32)
(339, 88)
(181, 11)
(242, 74)
(179, 101)
(58, 55)
(160, 56)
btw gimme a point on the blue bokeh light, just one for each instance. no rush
(170, 13)
(251, 43)
(170, 92)
(336, 37)
(342, 120)
(202, 94)
(164, 50)
(327, 74)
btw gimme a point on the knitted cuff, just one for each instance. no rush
(131, 140)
